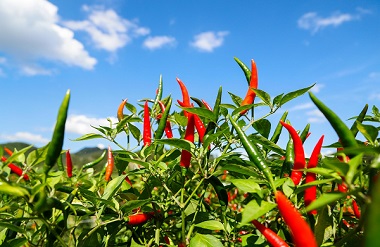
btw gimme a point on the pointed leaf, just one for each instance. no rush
(88, 137)
(289, 96)
(204, 240)
(211, 225)
(253, 210)
(325, 199)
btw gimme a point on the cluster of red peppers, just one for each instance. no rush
(14, 168)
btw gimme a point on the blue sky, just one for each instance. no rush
(105, 51)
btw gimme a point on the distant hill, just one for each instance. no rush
(79, 158)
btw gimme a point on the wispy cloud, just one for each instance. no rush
(108, 30)
(157, 42)
(81, 124)
(209, 41)
(26, 137)
(313, 22)
(317, 88)
(315, 116)
(302, 107)
(32, 33)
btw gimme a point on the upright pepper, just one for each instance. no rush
(147, 135)
(311, 192)
(299, 154)
(69, 164)
(120, 110)
(250, 96)
(301, 232)
(189, 136)
(166, 123)
(208, 107)
(199, 125)
(271, 236)
(185, 96)
(110, 164)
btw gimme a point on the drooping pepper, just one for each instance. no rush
(356, 209)
(311, 192)
(13, 167)
(271, 236)
(147, 134)
(69, 164)
(139, 218)
(253, 84)
(110, 165)
(301, 232)
(189, 136)
(208, 107)
(299, 154)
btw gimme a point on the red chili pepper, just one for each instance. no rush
(147, 134)
(299, 154)
(69, 164)
(13, 167)
(140, 218)
(311, 192)
(356, 209)
(168, 127)
(250, 96)
(225, 172)
(271, 236)
(127, 179)
(110, 164)
(189, 136)
(207, 105)
(301, 232)
(201, 129)
(185, 94)
(120, 110)
(342, 187)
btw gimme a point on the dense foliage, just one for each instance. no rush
(199, 176)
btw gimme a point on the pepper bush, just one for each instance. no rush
(197, 175)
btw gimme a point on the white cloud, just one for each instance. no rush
(315, 116)
(302, 107)
(107, 29)
(317, 88)
(313, 22)
(25, 136)
(208, 41)
(30, 32)
(81, 124)
(32, 69)
(153, 43)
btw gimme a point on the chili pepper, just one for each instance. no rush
(110, 165)
(345, 135)
(139, 219)
(254, 154)
(13, 167)
(201, 129)
(305, 133)
(250, 96)
(120, 110)
(246, 70)
(278, 129)
(289, 158)
(158, 93)
(299, 154)
(225, 172)
(127, 179)
(301, 232)
(56, 143)
(354, 128)
(147, 135)
(356, 209)
(271, 236)
(69, 164)
(189, 136)
(60, 163)
(211, 126)
(185, 96)
(346, 223)
(95, 162)
(208, 107)
(164, 124)
(311, 192)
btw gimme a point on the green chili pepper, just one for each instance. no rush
(277, 131)
(162, 124)
(345, 135)
(219, 189)
(289, 157)
(254, 154)
(159, 93)
(13, 189)
(354, 128)
(211, 126)
(305, 133)
(56, 143)
(95, 162)
(246, 70)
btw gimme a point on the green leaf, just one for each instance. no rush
(353, 167)
(177, 143)
(253, 210)
(134, 161)
(369, 132)
(336, 165)
(13, 189)
(130, 205)
(325, 172)
(210, 138)
(88, 137)
(325, 199)
(247, 185)
(249, 171)
(264, 96)
(236, 99)
(37, 156)
(324, 226)
(89, 195)
(136, 133)
(12, 227)
(205, 240)
(202, 112)
(267, 143)
(289, 96)
(211, 225)
(112, 187)
(303, 187)
(263, 127)
(219, 189)
(276, 100)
